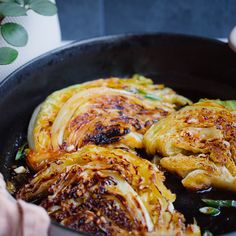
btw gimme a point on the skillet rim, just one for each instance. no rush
(108, 39)
(105, 40)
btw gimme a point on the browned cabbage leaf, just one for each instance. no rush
(101, 112)
(198, 143)
(107, 191)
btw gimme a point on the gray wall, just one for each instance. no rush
(82, 19)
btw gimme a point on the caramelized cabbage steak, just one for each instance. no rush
(198, 143)
(101, 112)
(107, 191)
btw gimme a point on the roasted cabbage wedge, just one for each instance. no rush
(101, 112)
(198, 143)
(107, 191)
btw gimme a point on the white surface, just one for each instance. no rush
(232, 39)
(44, 35)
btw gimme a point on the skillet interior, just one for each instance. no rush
(193, 66)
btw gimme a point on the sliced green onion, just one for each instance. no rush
(148, 95)
(207, 233)
(210, 211)
(21, 152)
(220, 203)
(152, 97)
(140, 91)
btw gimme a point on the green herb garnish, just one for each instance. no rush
(148, 95)
(210, 211)
(152, 97)
(21, 152)
(220, 203)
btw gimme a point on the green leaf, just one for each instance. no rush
(207, 233)
(14, 34)
(220, 203)
(7, 55)
(229, 104)
(21, 2)
(210, 211)
(21, 152)
(43, 7)
(27, 1)
(12, 9)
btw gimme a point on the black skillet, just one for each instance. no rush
(196, 67)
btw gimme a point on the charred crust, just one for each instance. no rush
(118, 115)
(106, 135)
(91, 212)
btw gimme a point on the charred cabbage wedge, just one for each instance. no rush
(198, 143)
(101, 112)
(110, 191)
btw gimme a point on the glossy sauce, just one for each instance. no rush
(189, 202)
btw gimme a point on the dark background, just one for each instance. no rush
(81, 19)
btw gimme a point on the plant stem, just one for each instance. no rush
(1, 19)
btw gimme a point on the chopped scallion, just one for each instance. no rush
(220, 203)
(210, 211)
(152, 97)
(21, 152)
(148, 95)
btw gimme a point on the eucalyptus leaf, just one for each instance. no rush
(14, 34)
(7, 55)
(28, 1)
(12, 9)
(21, 2)
(43, 7)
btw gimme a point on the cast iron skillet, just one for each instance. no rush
(195, 67)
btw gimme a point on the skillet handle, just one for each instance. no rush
(232, 39)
